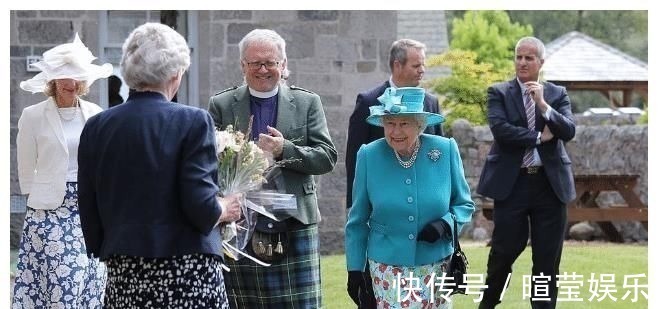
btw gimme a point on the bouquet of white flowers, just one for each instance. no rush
(241, 163)
(244, 168)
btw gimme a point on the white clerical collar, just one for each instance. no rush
(264, 95)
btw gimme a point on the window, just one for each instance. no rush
(114, 28)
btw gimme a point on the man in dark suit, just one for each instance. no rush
(407, 63)
(527, 173)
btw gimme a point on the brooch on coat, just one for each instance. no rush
(434, 154)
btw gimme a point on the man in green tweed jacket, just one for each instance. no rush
(289, 122)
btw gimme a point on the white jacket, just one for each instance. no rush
(42, 153)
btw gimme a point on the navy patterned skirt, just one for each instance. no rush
(53, 268)
(187, 281)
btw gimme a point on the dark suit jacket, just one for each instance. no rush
(509, 126)
(301, 120)
(360, 132)
(147, 180)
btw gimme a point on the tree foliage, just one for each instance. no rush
(481, 53)
(464, 91)
(625, 30)
(490, 34)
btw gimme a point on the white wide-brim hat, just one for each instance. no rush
(69, 60)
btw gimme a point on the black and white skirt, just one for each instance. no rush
(188, 281)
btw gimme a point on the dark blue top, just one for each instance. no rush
(147, 180)
(264, 112)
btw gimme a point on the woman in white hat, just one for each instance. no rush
(409, 193)
(53, 267)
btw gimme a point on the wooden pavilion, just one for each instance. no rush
(580, 62)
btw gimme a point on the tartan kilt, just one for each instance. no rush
(294, 282)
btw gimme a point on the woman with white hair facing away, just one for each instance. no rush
(148, 185)
(53, 268)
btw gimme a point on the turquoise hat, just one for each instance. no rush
(405, 101)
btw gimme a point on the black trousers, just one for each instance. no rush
(533, 208)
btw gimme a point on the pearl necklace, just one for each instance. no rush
(76, 104)
(408, 164)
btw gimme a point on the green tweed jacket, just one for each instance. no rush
(301, 120)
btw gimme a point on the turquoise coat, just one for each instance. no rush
(391, 204)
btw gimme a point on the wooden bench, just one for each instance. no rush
(586, 208)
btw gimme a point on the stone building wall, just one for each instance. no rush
(32, 33)
(336, 54)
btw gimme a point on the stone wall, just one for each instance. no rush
(603, 149)
(32, 33)
(600, 149)
(336, 54)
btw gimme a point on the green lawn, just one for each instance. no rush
(581, 258)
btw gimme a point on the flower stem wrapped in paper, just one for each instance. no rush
(245, 168)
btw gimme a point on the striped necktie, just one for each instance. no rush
(529, 103)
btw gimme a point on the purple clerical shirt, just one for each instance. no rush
(264, 112)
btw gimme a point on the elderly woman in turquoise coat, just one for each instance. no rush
(409, 192)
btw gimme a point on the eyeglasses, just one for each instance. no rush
(256, 65)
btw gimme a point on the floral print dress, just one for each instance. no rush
(53, 268)
(409, 287)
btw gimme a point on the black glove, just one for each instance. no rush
(356, 283)
(367, 295)
(435, 230)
